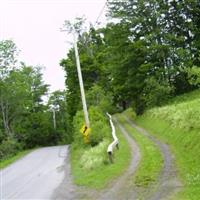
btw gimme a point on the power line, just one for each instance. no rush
(101, 12)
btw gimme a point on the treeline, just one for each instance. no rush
(148, 54)
(25, 120)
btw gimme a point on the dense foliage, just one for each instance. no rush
(25, 120)
(147, 55)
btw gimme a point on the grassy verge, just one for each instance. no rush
(186, 148)
(4, 163)
(151, 158)
(101, 175)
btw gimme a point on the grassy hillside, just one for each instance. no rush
(182, 112)
(178, 124)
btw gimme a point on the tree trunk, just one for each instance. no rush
(5, 120)
(124, 105)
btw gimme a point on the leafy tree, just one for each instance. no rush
(8, 53)
(98, 97)
(21, 94)
(25, 120)
(57, 101)
(166, 31)
(89, 44)
(155, 92)
(140, 58)
(193, 75)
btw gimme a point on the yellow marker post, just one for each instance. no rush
(82, 130)
(85, 131)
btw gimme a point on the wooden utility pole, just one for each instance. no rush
(87, 123)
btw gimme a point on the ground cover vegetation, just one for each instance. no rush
(176, 124)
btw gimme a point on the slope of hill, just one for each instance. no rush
(178, 124)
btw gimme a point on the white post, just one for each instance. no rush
(54, 118)
(81, 83)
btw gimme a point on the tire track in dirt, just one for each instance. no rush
(121, 187)
(168, 182)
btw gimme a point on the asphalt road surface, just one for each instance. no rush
(42, 174)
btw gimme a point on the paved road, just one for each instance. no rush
(39, 175)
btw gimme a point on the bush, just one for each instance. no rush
(130, 113)
(8, 148)
(2, 136)
(93, 153)
(100, 128)
(193, 74)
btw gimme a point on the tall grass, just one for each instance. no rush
(183, 113)
(95, 157)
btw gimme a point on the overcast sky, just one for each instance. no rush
(34, 25)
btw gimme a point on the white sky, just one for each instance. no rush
(34, 25)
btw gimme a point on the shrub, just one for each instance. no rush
(99, 123)
(193, 74)
(130, 113)
(2, 136)
(8, 148)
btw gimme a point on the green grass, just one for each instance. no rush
(182, 112)
(186, 148)
(178, 124)
(101, 175)
(4, 163)
(151, 159)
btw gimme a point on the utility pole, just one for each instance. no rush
(54, 118)
(53, 109)
(74, 28)
(87, 123)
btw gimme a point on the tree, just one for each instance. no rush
(88, 44)
(166, 31)
(57, 101)
(8, 52)
(151, 42)
(25, 120)
(193, 75)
